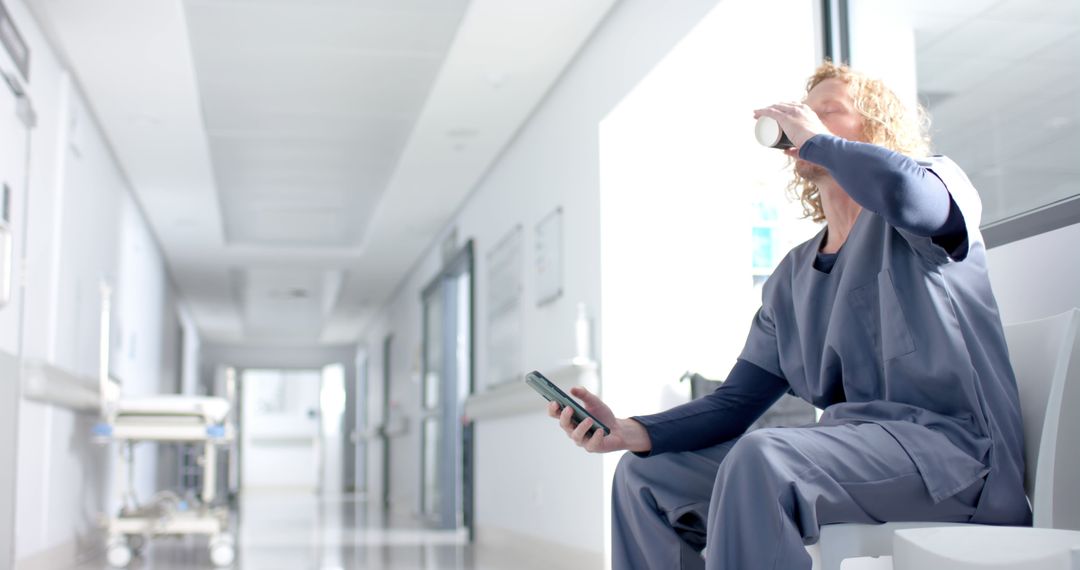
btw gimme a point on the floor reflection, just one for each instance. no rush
(291, 531)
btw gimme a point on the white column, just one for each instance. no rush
(882, 43)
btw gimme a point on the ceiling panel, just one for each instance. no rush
(317, 26)
(308, 106)
(315, 122)
(294, 226)
(330, 81)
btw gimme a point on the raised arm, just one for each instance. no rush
(896, 187)
(889, 184)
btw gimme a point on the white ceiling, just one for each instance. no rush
(295, 157)
(307, 107)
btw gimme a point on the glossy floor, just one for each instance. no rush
(303, 531)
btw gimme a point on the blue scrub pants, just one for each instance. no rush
(753, 503)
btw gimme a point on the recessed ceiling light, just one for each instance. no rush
(462, 132)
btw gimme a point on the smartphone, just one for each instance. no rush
(552, 393)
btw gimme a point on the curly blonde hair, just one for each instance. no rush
(887, 122)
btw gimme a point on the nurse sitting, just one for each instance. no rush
(885, 320)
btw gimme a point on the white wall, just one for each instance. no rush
(83, 227)
(1038, 276)
(47, 91)
(530, 479)
(14, 149)
(192, 348)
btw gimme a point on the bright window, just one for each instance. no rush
(694, 213)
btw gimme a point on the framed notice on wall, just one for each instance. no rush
(549, 284)
(505, 266)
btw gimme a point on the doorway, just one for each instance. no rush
(280, 430)
(447, 380)
(333, 459)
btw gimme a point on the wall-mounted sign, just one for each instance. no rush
(549, 279)
(505, 329)
(14, 43)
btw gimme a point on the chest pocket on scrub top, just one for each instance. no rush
(877, 307)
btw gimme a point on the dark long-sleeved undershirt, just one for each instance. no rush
(724, 414)
(897, 188)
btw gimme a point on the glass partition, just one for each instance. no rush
(1002, 83)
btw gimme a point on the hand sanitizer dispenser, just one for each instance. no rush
(582, 336)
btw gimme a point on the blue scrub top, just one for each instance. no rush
(901, 334)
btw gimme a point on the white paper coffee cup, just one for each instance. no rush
(769, 133)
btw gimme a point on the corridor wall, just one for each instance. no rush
(83, 226)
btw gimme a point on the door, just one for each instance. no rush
(446, 471)
(383, 431)
(14, 148)
(360, 426)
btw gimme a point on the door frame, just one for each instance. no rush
(358, 430)
(387, 352)
(462, 446)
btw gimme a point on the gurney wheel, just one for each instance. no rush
(222, 551)
(118, 554)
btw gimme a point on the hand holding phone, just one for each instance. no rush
(553, 393)
(617, 434)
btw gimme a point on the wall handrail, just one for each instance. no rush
(51, 384)
(516, 398)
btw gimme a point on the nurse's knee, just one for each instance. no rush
(636, 472)
(631, 469)
(757, 453)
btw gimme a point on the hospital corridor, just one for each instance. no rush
(539, 284)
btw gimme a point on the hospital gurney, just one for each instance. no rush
(167, 418)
